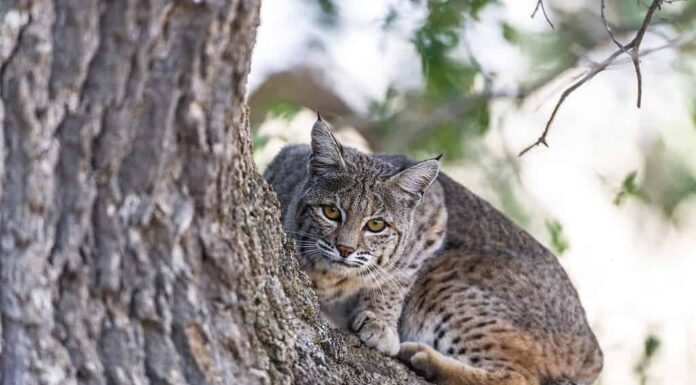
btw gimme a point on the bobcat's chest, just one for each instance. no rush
(337, 296)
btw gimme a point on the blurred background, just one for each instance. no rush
(615, 193)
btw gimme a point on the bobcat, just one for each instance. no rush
(421, 268)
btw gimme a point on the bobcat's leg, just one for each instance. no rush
(445, 370)
(377, 315)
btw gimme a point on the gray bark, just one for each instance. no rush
(138, 243)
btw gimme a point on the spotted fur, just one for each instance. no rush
(462, 294)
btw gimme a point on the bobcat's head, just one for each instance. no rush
(356, 211)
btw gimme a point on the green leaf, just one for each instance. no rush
(559, 243)
(510, 34)
(629, 188)
(650, 346)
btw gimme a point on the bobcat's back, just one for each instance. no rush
(494, 298)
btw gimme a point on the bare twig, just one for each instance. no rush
(606, 26)
(635, 56)
(632, 49)
(540, 5)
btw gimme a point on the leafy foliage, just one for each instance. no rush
(437, 38)
(284, 109)
(449, 111)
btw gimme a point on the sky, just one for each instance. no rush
(633, 268)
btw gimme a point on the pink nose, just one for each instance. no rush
(344, 250)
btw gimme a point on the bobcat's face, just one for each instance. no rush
(356, 211)
(355, 229)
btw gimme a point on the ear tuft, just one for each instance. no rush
(417, 178)
(327, 153)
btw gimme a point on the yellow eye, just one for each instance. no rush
(332, 212)
(375, 225)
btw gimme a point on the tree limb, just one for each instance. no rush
(632, 49)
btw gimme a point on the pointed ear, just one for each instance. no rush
(327, 153)
(416, 179)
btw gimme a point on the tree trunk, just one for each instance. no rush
(138, 243)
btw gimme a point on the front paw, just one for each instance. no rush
(376, 333)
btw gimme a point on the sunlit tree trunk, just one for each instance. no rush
(138, 243)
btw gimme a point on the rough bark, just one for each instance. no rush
(138, 243)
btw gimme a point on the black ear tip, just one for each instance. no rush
(439, 156)
(320, 128)
(319, 116)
